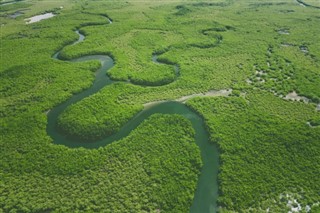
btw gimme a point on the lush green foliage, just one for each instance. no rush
(10, 7)
(144, 172)
(202, 52)
(267, 151)
(105, 117)
(267, 148)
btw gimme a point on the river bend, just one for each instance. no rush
(207, 187)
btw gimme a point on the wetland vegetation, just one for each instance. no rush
(90, 119)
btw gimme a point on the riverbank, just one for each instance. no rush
(207, 189)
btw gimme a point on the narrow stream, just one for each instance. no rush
(302, 3)
(8, 2)
(207, 188)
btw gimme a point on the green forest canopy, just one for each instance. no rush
(269, 155)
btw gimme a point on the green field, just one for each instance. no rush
(90, 119)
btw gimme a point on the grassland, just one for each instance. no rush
(269, 155)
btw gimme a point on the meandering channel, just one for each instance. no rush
(307, 5)
(207, 188)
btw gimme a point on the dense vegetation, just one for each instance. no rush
(263, 142)
(144, 172)
(204, 50)
(108, 118)
(262, 50)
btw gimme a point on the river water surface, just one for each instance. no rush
(207, 188)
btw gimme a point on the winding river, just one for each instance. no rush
(207, 187)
